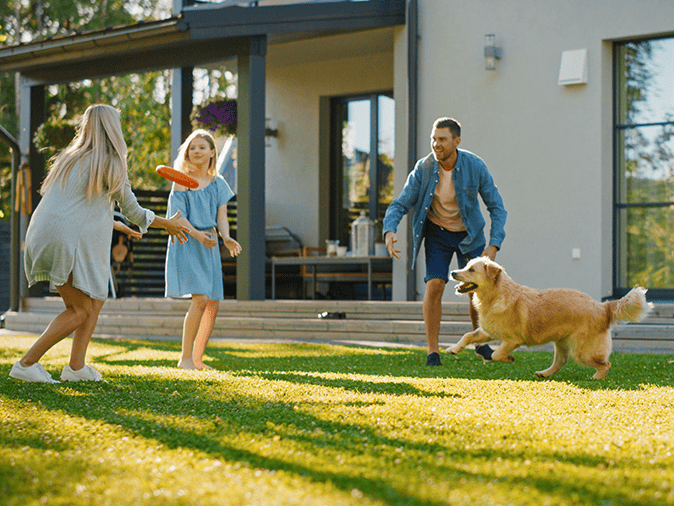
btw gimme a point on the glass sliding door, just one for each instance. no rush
(644, 159)
(362, 161)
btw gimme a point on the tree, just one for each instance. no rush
(30, 20)
(142, 100)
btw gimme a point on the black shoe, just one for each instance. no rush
(484, 351)
(433, 359)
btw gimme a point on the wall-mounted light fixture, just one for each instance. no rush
(491, 52)
(270, 130)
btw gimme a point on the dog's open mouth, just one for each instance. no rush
(465, 287)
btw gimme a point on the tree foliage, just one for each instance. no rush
(142, 99)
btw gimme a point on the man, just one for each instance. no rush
(443, 190)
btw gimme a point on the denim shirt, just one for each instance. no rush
(471, 177)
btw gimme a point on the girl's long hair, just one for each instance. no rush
(99, 136)
(181, 162)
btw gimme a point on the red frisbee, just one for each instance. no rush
(177, 177)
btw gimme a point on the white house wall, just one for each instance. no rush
(293, 93)
(549, 147)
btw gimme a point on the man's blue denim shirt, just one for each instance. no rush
(471, 177)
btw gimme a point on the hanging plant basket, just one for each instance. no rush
(219, 117)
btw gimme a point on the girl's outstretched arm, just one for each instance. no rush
(205, 238)
(223, 226)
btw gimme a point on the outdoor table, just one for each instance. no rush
(382, 263)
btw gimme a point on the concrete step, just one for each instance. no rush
(154, 325)
(377, 310)
(400, 322)
(639, 336)
(163, 318)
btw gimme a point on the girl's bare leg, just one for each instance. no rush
(79, 309)
(190, 329)
(204, 334)
(82, 336)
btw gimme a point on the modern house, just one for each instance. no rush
(570, 104)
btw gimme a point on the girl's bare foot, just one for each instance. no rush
(186, 363)
(202, 367)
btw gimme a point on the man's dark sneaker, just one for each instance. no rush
(484, 351)
(433, 359)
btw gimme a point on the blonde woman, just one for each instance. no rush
(69, 237)
(194, 269)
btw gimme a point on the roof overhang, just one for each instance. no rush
(201, 34)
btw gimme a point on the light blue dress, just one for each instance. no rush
(191, 268)
(70, 234)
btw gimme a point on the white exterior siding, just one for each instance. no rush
(549, 147)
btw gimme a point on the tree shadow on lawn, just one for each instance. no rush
(168, 419)
(288, 362)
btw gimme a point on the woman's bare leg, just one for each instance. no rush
(82, 336)
(79, 309)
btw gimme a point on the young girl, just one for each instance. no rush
(194, 268)
(70, 233)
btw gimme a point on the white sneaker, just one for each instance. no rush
(34, 373)
(87, 373)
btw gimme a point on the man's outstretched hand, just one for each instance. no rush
(391, 239)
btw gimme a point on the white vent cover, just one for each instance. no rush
(573, 69)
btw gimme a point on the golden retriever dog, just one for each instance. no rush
(519, 315)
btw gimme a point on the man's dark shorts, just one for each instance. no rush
(441, 245)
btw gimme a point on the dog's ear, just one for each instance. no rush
(493, 271)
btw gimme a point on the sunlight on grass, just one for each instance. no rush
(288, 424)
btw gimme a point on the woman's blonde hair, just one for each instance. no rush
(181, 162)
(99, 136)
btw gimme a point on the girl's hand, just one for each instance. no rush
(175, 229)
(233, 246)
(206, 238)
(121, 227)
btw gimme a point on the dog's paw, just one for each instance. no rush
(508, 360)
(454, 350)
(542, 374)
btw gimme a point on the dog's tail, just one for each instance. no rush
(632, 307)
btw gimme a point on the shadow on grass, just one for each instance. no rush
(153, 414)
(629, 371)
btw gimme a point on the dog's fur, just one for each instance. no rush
(519, 315)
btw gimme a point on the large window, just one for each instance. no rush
(362, 160)
(644, 140)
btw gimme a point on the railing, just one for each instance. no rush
(141, 273)
(15, 251)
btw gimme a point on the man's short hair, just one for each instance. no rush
(453, 125)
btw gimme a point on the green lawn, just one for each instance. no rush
(298, 424)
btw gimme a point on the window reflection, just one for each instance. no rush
(362, 187)
(645, 165)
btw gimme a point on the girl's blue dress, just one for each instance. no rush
(191, 268)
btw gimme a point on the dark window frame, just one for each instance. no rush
(618, 204)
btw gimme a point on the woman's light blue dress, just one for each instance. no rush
(192, 268)
(70, 234)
